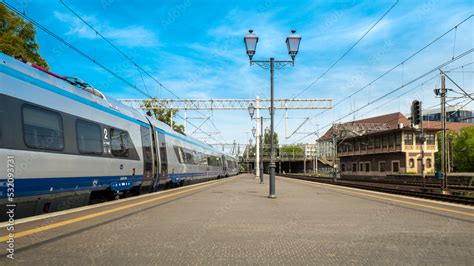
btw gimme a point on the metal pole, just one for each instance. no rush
(247, 159)
(258, 133)
(334, 141)
(261, 150)
(272, 155)
(423, 174)
(443, 135)
(316, 150)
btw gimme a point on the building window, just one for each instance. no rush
(428, 163)
(42, 129)
(398, 141)
(411, 163)
(89, 137)
(430, 139)
(418, 138)
(367, 167)
(391, 140)
(408, 138)
(382, 166)
(385, 141)
(343, 167)
(377, 143)
(361, 167)
(371, 144)
(121, 143)
(354, 167)
(395, 166)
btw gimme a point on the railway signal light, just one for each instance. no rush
(416, 115)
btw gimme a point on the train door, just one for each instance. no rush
(163, 177)
(224, 166)
(149, 159)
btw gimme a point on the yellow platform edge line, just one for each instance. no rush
(101, 213)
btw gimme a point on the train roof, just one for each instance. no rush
(93, 95)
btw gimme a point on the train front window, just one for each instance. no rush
(42, 129)
(89, 137)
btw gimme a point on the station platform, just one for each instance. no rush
(231, 221)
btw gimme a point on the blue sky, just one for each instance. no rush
(195, 48)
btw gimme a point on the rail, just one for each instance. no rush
(400, 188)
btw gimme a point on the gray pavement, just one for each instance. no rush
(234, 223)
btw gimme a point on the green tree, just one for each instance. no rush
(267, 141)
(464, 150)
(17, 37)
(290, 150)
(165, 115)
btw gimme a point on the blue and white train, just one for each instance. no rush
(63, 142)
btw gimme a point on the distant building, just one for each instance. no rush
(384, 145)
(453, 114)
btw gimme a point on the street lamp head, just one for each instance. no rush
(293, 44)
(251, 109)
(254, 131)
(250, 41)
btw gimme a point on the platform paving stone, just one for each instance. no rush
(235, 223)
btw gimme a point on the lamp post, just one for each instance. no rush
(292, 43)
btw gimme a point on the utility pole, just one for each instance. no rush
(248, 165)
(304, 159)
(334, 142)
(443, 135)
(261, 150)
(317, 157)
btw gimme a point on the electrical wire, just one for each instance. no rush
(346, 52)
(395, 90)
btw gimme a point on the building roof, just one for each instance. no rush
(390, 122)
(373, 124)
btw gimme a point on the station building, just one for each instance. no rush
(386, 144)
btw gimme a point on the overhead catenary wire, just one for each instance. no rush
(71, 46)
(127, 57)
(455, 27)
(465, 53)
(399, 64)
(79, 51)
(346, 52)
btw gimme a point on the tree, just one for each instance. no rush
(165, 115)
(290, 150)
(17, 37)
(267, 141)
(464, 150)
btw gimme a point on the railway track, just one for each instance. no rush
(401, 188)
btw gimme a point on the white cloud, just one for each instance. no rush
(130, 36)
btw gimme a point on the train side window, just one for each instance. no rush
(42, 129)
(121, 144)
(179, 154)
(89, 137)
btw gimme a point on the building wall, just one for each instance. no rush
(399, 152)
(375, 162)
